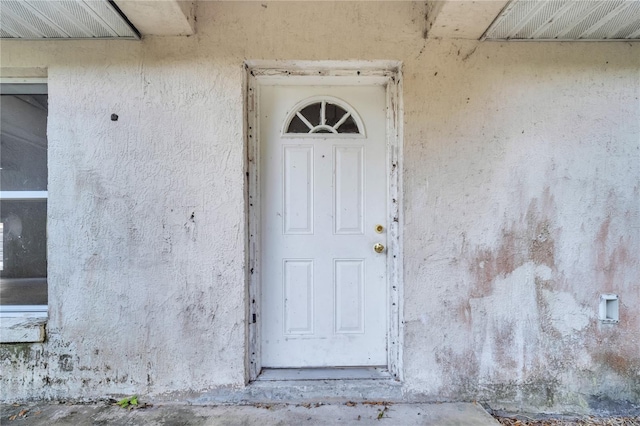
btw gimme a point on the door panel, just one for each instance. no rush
(349, 284)
(348, 191)
(323, 287)
(298, 187)
(298, 296)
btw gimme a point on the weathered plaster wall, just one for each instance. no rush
(522, 206)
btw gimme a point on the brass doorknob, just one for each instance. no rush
(378, 248)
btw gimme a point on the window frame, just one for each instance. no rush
(328, 99)
(21, 311)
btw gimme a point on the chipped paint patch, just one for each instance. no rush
(565, 314)
(506, 323)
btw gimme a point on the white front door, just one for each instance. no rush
(323, 209)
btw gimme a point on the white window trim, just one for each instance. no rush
(23, 80)
(329, 99)
(23, 195)
(23, 323)
(31, 311)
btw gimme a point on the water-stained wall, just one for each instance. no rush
(521, 206)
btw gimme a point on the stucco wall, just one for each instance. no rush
(522, 206)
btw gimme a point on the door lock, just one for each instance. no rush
(379, 229)
(378, 248)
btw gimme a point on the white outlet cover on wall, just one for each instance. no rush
(609, 308)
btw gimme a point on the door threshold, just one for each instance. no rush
(324, 373)
(311, 385)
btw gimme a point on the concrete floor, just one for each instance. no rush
(446, 414)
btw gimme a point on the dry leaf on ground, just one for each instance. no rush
(589, 421)
(376, 403)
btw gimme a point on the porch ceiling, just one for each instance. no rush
(567, 20)
(553, 20)
(41, 19)
(94, 19)
(447, 19)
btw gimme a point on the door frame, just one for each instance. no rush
(386, 73)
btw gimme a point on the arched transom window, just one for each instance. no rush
(328, 115)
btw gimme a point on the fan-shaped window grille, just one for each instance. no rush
(323, 116)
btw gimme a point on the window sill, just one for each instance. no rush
(22, 329)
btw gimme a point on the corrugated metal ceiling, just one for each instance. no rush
(64, 19)
(567, 20)
(520, 20)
